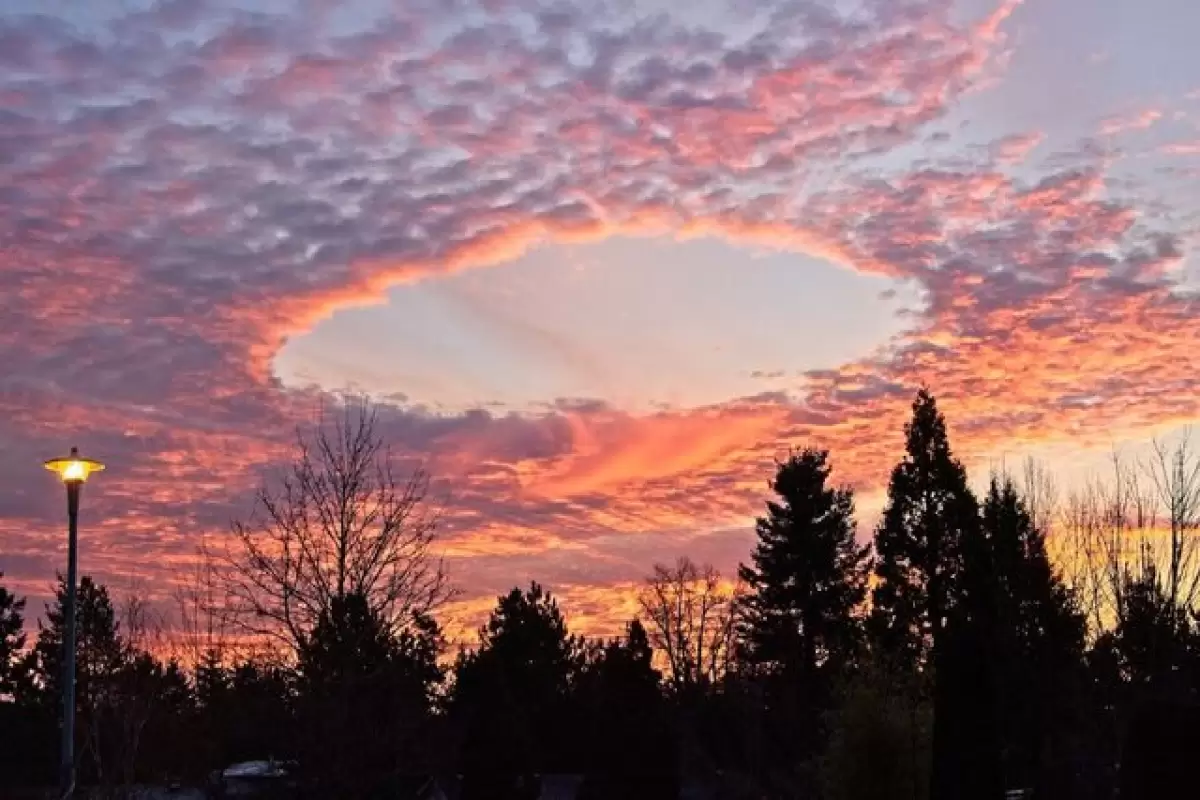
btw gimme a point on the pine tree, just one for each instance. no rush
(1037, 647)
(12, 644)
(364, 698)
(930, 513)
(511, 697)
(809, 574)
(98, 646)
(799, 624)
(627, 739)
(932, 603)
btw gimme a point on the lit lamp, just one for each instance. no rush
(73, 471)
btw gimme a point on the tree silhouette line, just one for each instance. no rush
(951, 656)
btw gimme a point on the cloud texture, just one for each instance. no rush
(185, 185)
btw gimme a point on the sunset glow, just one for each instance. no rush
(599, 262)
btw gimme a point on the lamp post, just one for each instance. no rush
(73, 471)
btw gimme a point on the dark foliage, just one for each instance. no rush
(364, 700)
(799, 626)
(968, 672)
(512, 703)
(930, 513)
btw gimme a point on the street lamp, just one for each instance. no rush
(73, 471)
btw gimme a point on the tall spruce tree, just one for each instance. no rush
(799, 623)
(511, 698)
(919, 543)
(808, 578)
(932, 603)
(1037, 648)
(12, 643)
(99, 648)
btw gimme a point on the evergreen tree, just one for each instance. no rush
(27, 734)
(13, 667)
(364, 698)
(99, 655)
(933, 602)
(930, 513)
(1037, 648)
(98, 646)
(809, 574)
(260, 716)
(512, 697)
(799, 627)
(628, 736)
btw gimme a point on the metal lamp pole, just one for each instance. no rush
(73, 471)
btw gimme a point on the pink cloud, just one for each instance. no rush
(155, 255)
(1137, 121)
(1189, 148)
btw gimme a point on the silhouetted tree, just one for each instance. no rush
(364, 699)
(690, 617)
(13, 665)
(809, 575)
(99, 653)
(26, 730)
(339, 523)
(930, 610)
(628, 737)
(918, 545)
(512, 697)
(1037, 648)
(799, 623)
(261, 698)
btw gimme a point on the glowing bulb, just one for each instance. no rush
(73, 469)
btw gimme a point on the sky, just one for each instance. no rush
(599, 263)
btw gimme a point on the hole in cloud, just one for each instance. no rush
(637, 322)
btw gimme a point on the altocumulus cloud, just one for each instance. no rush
(184, 185)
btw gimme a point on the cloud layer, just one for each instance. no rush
(185, 185)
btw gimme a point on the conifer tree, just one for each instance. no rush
(930, 513)
(808, 576)
(12, 643)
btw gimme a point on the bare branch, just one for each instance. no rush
(690, 612)
(338, 523)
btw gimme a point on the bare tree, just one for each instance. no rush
(203, 632)
(1080, 547)
(339, 522)
(1040, 492)
(127, 697)
(691, 617)
(1175, 476)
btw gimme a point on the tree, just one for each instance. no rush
(12, 644)
(1037, 647)
(628, 736)
(121, 689)
(879, 734)
(339, 523)
(809, 575)
(98, 646)
(511, 697)
(26, 730)
(918, 545)
(799, 624)
(364, 698)
(1175, 476)
(691, 616)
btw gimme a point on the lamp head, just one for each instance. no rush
(73, 469)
